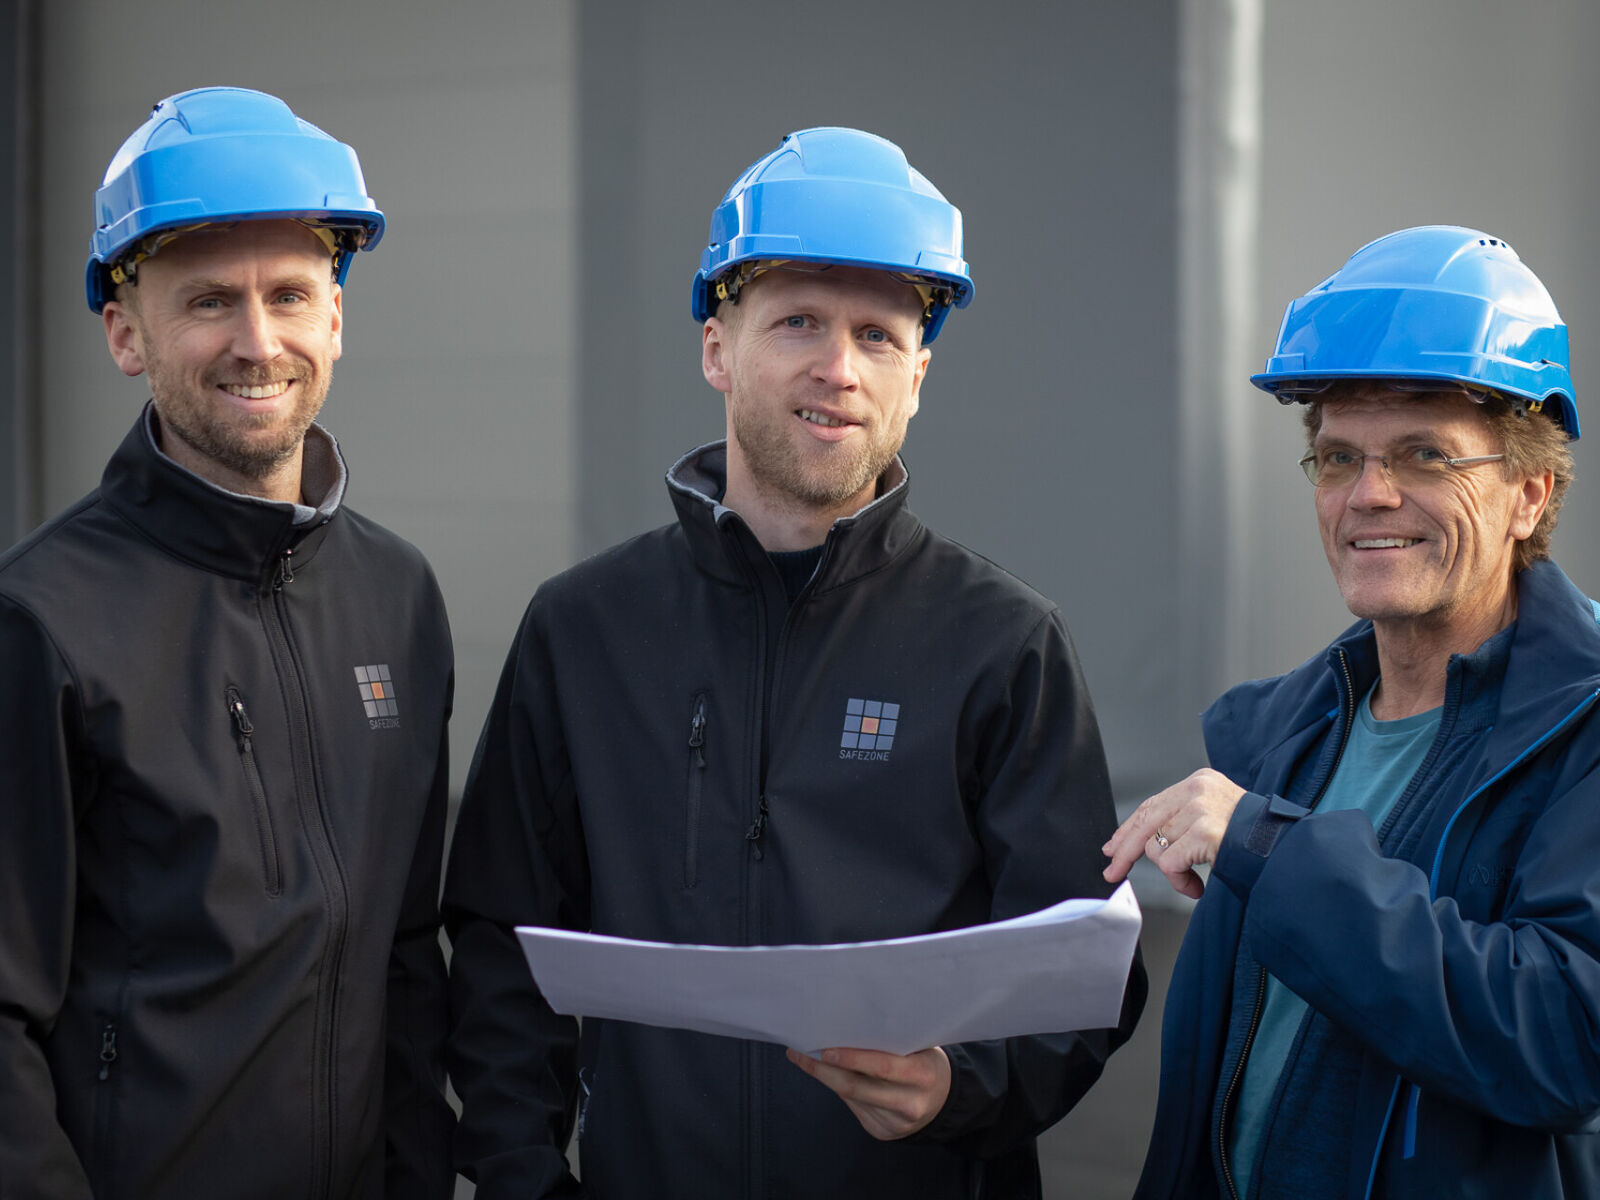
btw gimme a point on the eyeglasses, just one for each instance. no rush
(1418, 466)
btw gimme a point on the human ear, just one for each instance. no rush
(338, 322)
(1528, 505)
(921, 371)
(713, 355)
(123, 338)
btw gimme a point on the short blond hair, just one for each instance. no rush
(1532, 444)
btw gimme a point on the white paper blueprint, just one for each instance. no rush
(1060, 969)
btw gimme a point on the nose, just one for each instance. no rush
(836, 361)
(255, 334)
(1374, 488)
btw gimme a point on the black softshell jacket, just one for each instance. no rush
(675, 753)
(219, 966)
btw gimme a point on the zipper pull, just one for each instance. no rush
(285, 570)
(757, 829)
(240, 717)
(697, 732)
(108, 1050)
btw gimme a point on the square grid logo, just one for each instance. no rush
(377, 690)
(869, 725)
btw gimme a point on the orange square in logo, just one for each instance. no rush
(869, 724)
(377, 690)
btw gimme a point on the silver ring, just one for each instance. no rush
(1161, 840)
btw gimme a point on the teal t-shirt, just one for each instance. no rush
(1378, 762)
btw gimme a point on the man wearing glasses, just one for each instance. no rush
(794, 715)
(1391, 985)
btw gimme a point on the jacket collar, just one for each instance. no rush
(1553, 667)
(724, 547)
(1522, 679)
(210, 527)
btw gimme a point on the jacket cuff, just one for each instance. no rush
(1257, 824)
(961, 1105)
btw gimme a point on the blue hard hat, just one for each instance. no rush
(225, 154)
(1435, 303)
(833, 195)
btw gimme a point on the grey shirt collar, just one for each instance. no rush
(322, 474)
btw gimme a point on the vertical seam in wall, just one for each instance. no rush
(610, 194)
(1219, 181)
(25, 503)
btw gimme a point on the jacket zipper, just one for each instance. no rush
(265, 834)
(696, 789)
(108, 1050)
(327, 1136)
(758, 827)
(102, 1107)
(1414, 1100)
(755, 1074)
(1233, 1084)
(1348, 708)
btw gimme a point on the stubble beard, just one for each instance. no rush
(784, 475)
(246, 444)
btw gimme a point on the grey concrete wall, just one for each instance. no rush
(520, 366)
(18, 214)
(1381, 116)
(548, 171)
(454, 398)
(1047, 434)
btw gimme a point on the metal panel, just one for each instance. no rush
(1047, 437)
(19, 499)
(453, 399)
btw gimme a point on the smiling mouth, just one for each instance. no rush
(265, 391)
(816, 418)
(1388, 543)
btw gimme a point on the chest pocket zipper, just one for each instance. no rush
(694, 790)
(252, 776)
(104, 1120)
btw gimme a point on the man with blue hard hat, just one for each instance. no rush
(222, 720)
(797, 715)
(1391, 984)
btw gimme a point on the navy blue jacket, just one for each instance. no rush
(1451, 960)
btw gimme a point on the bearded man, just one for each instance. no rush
(796, 715)
(223, 707)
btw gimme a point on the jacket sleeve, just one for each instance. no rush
(44, 784)
(1498, 1016)
(517, 859)
(1045, 810)
(418, 1121)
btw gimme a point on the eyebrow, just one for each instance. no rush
(1423, 437)
(206, 283)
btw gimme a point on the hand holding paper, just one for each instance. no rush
(892, 1095)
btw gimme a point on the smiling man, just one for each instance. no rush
(796, 715)
(1391, 984)
(222, 717)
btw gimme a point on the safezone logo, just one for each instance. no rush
(377, 694)
(869, 728)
